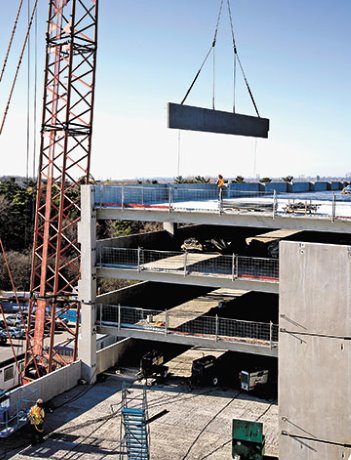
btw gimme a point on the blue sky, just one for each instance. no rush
(296, 57)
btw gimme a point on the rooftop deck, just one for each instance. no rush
(326, 212)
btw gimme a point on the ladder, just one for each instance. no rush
(135, 440)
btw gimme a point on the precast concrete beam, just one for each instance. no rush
(307, 223)
(192, 280)
(242, 347)
(215, 121)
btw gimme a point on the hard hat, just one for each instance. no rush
(40, 401)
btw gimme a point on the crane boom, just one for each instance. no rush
(64, 164)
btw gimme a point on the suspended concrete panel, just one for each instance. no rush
(215, 121)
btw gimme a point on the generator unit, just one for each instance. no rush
(204, 370)
(152, 365)
(249, 380)
(248, 440)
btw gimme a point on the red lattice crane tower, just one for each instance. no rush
(64, 164)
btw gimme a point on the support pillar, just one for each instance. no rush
(170, 227)
(87, 284)
(314, 351)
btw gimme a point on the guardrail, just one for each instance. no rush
(180, 323)
(186, 263)
(175, 198)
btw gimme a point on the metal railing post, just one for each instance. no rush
(274, 203)
(185, 261)
(220, 201)
(333, 208)
(237, 267)
(170, 198)
(100, 309)
(139, 251)
(166, 322)
(142, 196)
(122, 196)
(270, 334)
(119, 316)
(233, 266)
(216, 333)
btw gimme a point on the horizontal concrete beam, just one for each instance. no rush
(242, 347)
(318, 223)
(211, 281)
(215, 121)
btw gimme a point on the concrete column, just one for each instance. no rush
(314, 351)
(170, 227)
(87, 284)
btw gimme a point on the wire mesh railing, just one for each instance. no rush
(187, 263)
(206, 198)
(191, 323)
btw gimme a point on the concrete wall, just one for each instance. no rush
(282, 187)
(297, 187)
(320, 186)
(112, 355)
(245, 187)
(314, 351)
(47, 387)
(334, 185)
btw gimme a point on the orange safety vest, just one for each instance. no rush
(36, 416)
(220, 183)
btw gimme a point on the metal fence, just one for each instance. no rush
(185, 263)
(175, 322)
(197, 197)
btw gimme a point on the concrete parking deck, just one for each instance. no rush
(85, 422)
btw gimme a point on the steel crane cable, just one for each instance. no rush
(28, 225)
(207, 55)
(11, 40)
(18, 67)
(236, 57)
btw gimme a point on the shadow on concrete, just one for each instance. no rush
(77, 440)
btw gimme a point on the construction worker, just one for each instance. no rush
(36, 418)
(220, 185)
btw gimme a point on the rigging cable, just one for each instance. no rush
(11, 40)
(239, 61)
(207, 55)
(28, 97)
(18, 67)
(35, 95)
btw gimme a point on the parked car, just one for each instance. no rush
(3, 338)
(14, 320)
(16, 332)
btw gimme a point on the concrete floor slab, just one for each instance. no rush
(85, 423)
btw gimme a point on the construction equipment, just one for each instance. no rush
(64, 165)
(249, 381)
(205, 370)
(135, 435)
(152, 365)
(248, 440)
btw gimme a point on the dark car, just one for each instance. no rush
(3, 338)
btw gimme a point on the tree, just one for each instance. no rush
(20, 268)
(191, 180)
(16, 221)
(288, 178)
(239, 179)
(265, 180)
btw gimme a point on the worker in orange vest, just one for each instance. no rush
(36, 418)
(220, 185)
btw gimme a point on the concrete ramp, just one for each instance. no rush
(215, 121)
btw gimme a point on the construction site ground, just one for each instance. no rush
(193, 423)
